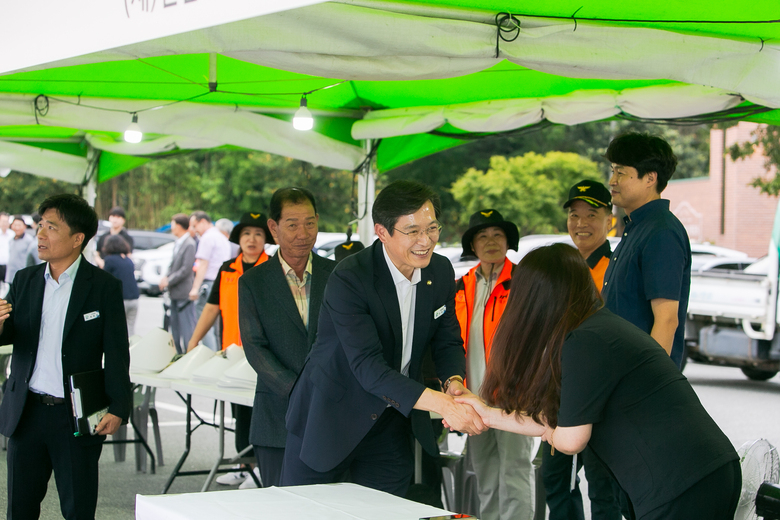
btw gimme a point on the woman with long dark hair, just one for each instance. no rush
(565, 368)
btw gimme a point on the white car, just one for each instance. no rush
(151, 265)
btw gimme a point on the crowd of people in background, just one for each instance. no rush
(579, 346)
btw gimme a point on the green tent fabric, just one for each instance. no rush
(422, 75)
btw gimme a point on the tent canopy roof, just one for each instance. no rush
(421, 75)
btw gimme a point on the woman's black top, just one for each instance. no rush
(648, 424)
(124, 270)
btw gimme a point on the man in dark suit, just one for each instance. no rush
(279, 304)
(179, 282)
(360, 397)
(62, 317)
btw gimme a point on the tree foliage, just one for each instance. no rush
(528, 190)
(224, 184)
(767, 138)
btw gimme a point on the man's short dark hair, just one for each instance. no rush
(292, 195)
(77, 214)
(115, 245)
(117, 211)
(645, 152)
(4, 214)
(402, 198)
(19, 217)
(200, 215)
(182, 220)
(36, 217)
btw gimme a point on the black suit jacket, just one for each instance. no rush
(275, 340)
(84, 342)
(353, 371)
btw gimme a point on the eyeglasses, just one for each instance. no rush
(432, 231)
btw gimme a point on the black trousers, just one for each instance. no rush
(270, 461)
(715, 497)
(44, 441)
(383, 460)
(566, 504)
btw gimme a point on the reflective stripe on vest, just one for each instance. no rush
(228, 300)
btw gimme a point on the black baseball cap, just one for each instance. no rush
(592, 192)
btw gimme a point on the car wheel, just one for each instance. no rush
(758, 375)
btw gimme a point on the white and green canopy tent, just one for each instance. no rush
(421, 75)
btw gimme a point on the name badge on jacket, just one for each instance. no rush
(91, 315)
(439, 312)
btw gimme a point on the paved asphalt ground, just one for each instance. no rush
(745, 410)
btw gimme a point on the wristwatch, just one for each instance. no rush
(446, 384)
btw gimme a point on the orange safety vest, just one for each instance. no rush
(464, 304)
(228, 300)
(598, 272)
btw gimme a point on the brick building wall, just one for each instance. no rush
(749, 214)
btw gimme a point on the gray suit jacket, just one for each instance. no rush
(180, 274)
(275, 340)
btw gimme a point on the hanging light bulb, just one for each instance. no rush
(303, 119)
(133, 134)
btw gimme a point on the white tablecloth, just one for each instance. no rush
(320, 502)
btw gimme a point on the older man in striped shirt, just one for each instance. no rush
(278, 306)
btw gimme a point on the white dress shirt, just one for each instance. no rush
(47, 374)
(406, 290)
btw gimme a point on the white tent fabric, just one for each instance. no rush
(667, 101)
(111, 24)
(185, 125)
(46, 163)
(388, 41)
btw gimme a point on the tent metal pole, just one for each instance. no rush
(366, 194)
(89, 186)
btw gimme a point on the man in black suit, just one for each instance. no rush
(279, 304)
(361, 397)
(62, 317)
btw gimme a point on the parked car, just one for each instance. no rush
(722, 265)
(150, 266)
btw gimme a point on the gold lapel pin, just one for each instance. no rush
(429, 282)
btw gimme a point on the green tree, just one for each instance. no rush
(528, 190)
(224, 183)
(23, 193)
(767, 139)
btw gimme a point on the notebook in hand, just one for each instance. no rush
(90, 402)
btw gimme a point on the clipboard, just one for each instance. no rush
(89, 399)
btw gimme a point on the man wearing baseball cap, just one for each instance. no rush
(501, 460)
(589, 219)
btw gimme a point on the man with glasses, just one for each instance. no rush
(360, 398)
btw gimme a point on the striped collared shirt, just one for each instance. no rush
(301, 289)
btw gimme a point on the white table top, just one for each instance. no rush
(150, 379)
(231, 395)
(321, 502)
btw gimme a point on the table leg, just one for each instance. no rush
(221, 457)
(417, 462)
(187, 437)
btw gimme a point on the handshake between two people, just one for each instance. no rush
(459, 408)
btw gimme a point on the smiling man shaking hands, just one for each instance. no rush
(360, 397)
